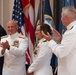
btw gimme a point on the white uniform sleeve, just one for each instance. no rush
(42, 57)
(19, 51)
(63, 49)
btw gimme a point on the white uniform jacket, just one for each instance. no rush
(14, 58)
(66, 51)
(41, 65)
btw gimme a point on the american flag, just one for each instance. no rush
(22, 11)
(28, 9)
(18, 15)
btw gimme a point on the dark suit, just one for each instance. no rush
(2, 33)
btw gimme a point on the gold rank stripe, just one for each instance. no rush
(70, 28)
(4, 36)
(21, 36)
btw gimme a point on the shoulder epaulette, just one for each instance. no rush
(45, 41)
(4, 36)
(70, 28)
(22, 36)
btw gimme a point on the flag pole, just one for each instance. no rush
(75, 3)
(42, 3)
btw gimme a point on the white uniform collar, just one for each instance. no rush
(13, 36)
(71, 25)
(42, 40)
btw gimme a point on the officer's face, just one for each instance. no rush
(64, 19)
(12, 28)
(38, 32)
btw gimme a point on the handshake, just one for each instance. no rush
(4, 46)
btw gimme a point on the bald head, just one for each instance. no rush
(12, 22)
(12, 27)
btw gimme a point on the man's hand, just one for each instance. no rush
(57, 36)
(47, 37)
(5, 46)
(30, 73)
(1, 45)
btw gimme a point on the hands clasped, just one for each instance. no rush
(4, 45)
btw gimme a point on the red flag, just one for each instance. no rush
(28, 9)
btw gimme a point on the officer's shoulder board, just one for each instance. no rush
(70, 28)
(4, 36)
(22, 36)
(45, 41)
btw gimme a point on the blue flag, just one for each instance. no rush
(18, 14)
(46, 12)
(65, 3)
(46, 15)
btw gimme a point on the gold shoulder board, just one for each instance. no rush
(45, 41)
(71, 27)
(22, 36)
(4, 36)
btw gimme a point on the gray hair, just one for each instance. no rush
(70, 11)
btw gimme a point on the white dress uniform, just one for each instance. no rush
(66, 51)
(14, 58)
(41, 65)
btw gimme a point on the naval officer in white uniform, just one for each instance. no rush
(41, 65)
(13, 48)
(66, 50)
